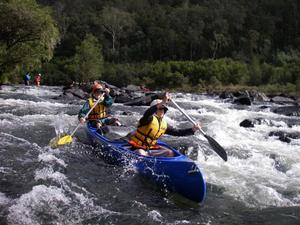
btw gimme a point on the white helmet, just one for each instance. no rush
(155, 102)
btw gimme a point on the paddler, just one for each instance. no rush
(152, 126)
(99, 116)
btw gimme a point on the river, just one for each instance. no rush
(259, 184)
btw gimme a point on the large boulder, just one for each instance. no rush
(132, 88)
(282, 100)
(72, 93)
(239, 97)
(258, 121)
(77, 92)
(242, 100)
(144, 100)
(284, 136)
(122, 97)
(244, 97)
(288, 110)
(259, 96)
(132, 95)
(247, 123)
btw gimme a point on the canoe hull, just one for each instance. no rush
(177, 174)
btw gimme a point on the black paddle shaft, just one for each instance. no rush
(213, 143)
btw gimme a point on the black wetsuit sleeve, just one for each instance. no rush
(179, 132)
(148, 116)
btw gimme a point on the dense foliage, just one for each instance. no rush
(28, 36)
(177, 42)
(203, 74)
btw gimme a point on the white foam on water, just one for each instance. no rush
(49, 173)
(297, 199)
(41, 199)
(294, 171)
(62, 123)
(44, 112)
(54, 204)
(179, 222)
(32, 90)
(6, 170)
(267, 196)
(50, 158)
(11, 140)
(19, 103)
(138, 204)
(59, 204)
(155, 215)
(5, 122)
(250, 174)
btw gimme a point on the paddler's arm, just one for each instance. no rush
(108, 100)
(179, 132)
(182, 132)
(147, 117)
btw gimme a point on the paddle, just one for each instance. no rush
(213, 143)
(68, 138)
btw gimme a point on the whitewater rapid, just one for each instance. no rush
(261, 171)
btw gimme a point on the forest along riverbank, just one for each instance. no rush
(258, 185)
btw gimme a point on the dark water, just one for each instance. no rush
(73, 185)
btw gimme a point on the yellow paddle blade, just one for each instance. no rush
(65, 140)
(58, 141)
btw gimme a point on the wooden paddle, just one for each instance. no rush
(213, 143)
(56, 142)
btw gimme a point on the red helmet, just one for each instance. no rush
(97, 87)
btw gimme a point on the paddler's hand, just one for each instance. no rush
(82, 120)
(166, 98)
(107, 91)
(196, 127)
(101, 97)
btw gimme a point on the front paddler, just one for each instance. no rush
(152, 126)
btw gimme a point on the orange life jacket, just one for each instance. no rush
(145, 137)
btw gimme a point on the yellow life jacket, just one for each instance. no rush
(99, 112)
(146, 136)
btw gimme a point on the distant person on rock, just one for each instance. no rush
(152, 126)
(99, 116)
(37, 79)
(27, 79)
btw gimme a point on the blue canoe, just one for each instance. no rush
(177, 174)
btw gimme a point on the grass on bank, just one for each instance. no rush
(269, 89)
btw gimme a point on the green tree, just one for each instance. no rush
(188, 25)
(28, 35)
(219, 41)
(255, 71)
(87, 63)
(116, 23)
(286, 57)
